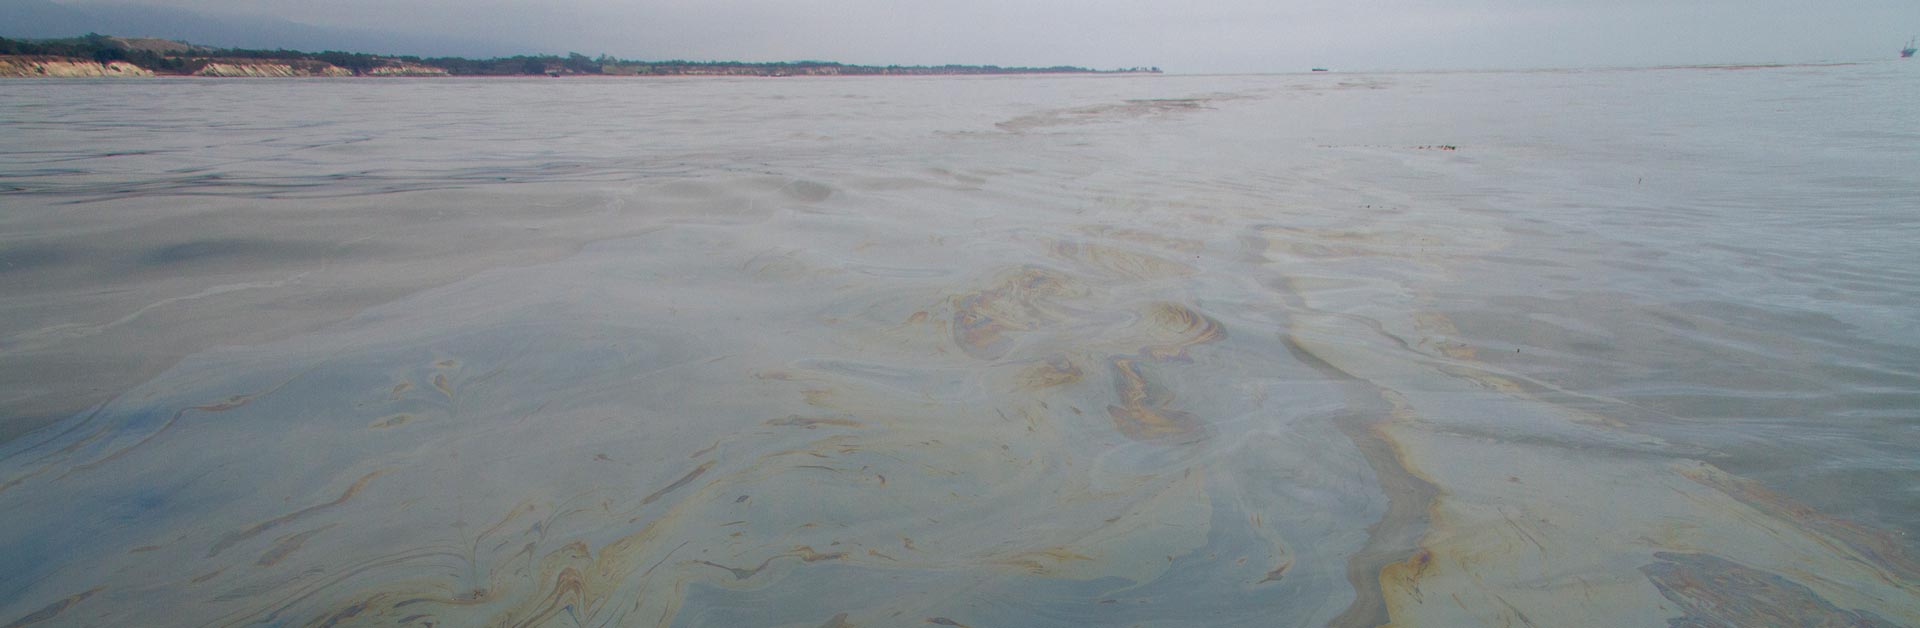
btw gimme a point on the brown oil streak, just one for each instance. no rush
(1277, 572)
(96, 435)
(241, 535)
(224, 405)
(1715, 592)
(220, 406)
(1142, 414)
(977, 333)
(569, 589)
(390, 421)
(1867, 545)
(1410, 497)
(1183, 245)
(1122, 262)
(17, 480)
(810, 423)
(1524, 620)
(344, 614)
(683, 481)
(1058, 371)
(708, 450)
(817, 396)
(738, 573)
(525, 507)
(52, 610)
(565, 582)
(1405, 575)
(805, 553)
(1437, 323)
(440, 382)
(288, 545)
(67, 450)
(334, 579)
(1189, 327)
(1329, 243)
(1041, 561)
(982, 320)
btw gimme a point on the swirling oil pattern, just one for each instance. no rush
(1599, 348)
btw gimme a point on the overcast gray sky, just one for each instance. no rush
(1186, 36)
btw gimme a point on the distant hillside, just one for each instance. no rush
(168, 57)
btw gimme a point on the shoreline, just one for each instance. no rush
(47, 66)
(5, 77)
(102, 55)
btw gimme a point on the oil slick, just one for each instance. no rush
(951, 393)
(1713, 591)
(1143, 414)
(635, 486)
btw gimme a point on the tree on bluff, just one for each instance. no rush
(582, 64)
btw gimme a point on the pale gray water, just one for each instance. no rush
(1599, 348)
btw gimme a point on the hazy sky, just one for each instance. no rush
(1186, 36)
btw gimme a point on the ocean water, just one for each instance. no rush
(1633, 347)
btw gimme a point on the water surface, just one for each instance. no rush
(1607, 348)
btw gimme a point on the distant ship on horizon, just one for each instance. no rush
(1908, 51)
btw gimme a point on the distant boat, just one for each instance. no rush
(1908, 51)
(1320, 69)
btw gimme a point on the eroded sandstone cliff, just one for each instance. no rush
(15, 66)
(271, 70)
(406, 69)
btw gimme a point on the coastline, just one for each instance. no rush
(38, 66)
(95, 55)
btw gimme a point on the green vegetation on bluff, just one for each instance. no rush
(180, 58)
